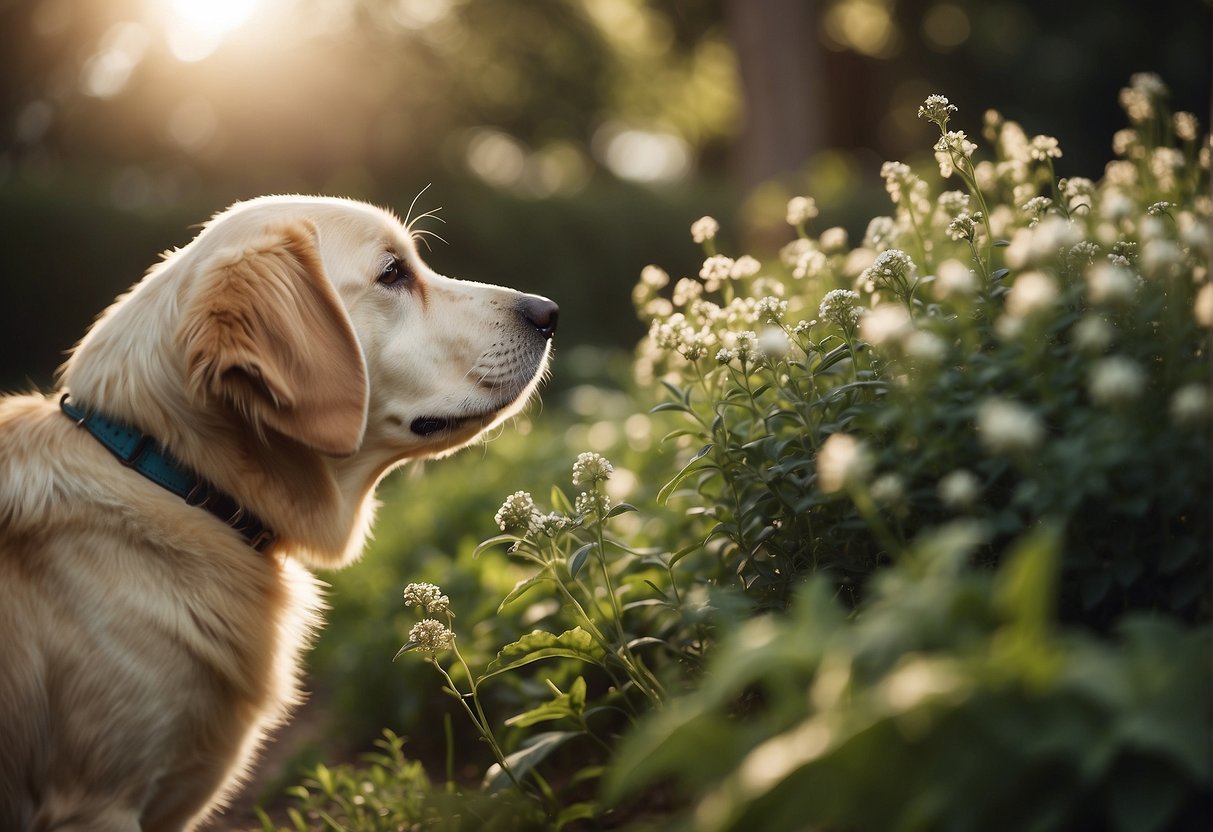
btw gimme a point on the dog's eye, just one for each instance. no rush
(394, 274)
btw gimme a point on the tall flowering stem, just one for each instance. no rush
(959, 151)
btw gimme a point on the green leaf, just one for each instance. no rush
(564, 705)
(534, 750)
(571, 644)
(521, 587)
(577, 559)
(575, 812)
(622, 508)
(493, 541)
(686, 471)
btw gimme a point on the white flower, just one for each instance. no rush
(1204, 306)
(840, 306)
(1186, 126)
(959, 489)
(773, 342)
(1031, 293)
(955, 279)
(952, 145)
(1008, 427)
(887, 322)
(1044, 148)
(936, 109)
(771, 310)
(881, 233)
(925, 346)
(717, 267)
(1191, 405)
(1116, 380)
(892, 269)
(1110, 283)
(686, 290)
(592, 503)
(888, 490)
(964, 226)
(801, 209)
(833, 239)
(704, 229)
(654, 277)
(842, 461)
(811, 263)
(591, 468)
(428, 596)
(1093, 334)
(745, 266)
(431, 636)
(516, 513)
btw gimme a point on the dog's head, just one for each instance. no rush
(315, 319)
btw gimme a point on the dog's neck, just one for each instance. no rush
(320, 507)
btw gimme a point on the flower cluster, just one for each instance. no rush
(591, 468)
(431, 636)
(427, 596)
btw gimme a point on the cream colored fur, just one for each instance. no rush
(146, 649)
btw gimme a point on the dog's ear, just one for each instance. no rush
(266, 333)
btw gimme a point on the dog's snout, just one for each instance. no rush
(540, 313)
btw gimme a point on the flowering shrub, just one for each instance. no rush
(1017, 348)
(937, 527)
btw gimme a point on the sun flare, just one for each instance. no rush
(195, 28)
(213, 17)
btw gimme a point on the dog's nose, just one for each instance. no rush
(540, 313)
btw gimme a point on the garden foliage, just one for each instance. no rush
(925, 545)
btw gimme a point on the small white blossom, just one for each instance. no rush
(1044, 148)
(952, 145)
(704, 229)
(1187, 127)
(833, 240)
(955, 279)
(1031, 293)
(516, 513)
(592, 503)
(1191, 405)
(1093, 334)
(1116, 380)
(431, 636)
(842, 461)
(1111, 283)
(654, 277)
(936, 109)
(1008, 427)
(773, 342)
(840, 306)
(959, 490)
(771, 310)
(715, 269)
(888, 490)
(685, 291)
(892, 269)
(964, 226)
(801, 209)
(887, 323)
(881, 233)
(428, 596)
(745, 266)
(591, 468)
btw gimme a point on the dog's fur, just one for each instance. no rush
(145, 648)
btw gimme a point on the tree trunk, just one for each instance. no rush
(779, 58)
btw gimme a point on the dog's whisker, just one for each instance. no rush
(408, 222)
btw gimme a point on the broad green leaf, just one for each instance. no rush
(534, 750)
(571, 644)
(622, 508)
(522, 587)
(570, 705)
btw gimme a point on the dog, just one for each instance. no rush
(219, 432)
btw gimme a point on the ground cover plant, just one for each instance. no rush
(905, 532)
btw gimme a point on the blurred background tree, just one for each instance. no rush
(568, 142)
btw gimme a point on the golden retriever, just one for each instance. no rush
(283, 361)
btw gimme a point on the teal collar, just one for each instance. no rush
(144, 454)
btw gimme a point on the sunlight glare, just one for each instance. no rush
(196, 27)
